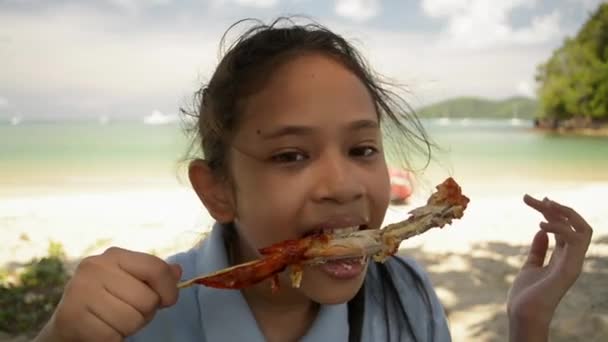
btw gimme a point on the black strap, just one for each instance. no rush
(356, 311)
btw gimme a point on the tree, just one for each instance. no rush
(574, 81)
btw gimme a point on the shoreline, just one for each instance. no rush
(584, 132)
(577, 126)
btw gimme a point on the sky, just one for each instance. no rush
(126, 59)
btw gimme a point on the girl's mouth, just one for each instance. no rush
(344, 269)
(337, 231)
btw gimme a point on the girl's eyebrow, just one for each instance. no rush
(288, 130)
(363, 124)
(308, 130)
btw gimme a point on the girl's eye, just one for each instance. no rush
(289, 157)
(363, 151)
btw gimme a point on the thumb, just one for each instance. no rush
(176, 271)
(538, 250)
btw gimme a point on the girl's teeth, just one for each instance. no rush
(341, 230)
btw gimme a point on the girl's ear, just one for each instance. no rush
(213, 192)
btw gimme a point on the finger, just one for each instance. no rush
(542, 207)
(92, 328)
(122, 317)
(533, 202)
(132, 291)
(155, 272)
(563, 232)
(568, 255)
(577, 221)
(538, 250)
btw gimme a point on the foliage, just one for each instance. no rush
(472, 107)
(574, 81)
(28, 303)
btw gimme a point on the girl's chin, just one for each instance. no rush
(336, 294)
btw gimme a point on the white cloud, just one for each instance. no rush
(258, 3)
(70, 62)
(525, 88)
(485, 23)
(261, 4)
(543, 29)
(431, 70)
(133, 6)
(358, 10)
(3, 101)
(443, 8)
(70, 59)
(129, 5)
(589, 5)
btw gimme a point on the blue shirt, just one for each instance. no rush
(205, 314)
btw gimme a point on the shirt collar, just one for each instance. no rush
(225, 315)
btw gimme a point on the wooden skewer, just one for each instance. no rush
(377, 243)
(441, 208)
(192, 281)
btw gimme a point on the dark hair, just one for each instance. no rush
(249, 61)
(244, 68)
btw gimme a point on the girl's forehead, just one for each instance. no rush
(310, 90)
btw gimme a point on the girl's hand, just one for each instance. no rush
(538, 288)
(112, 296)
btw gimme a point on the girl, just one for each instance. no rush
(290, 129)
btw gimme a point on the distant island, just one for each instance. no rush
(476, 108)
(572, 92)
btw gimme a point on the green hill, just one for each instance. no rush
(574, 81)
(473, 107)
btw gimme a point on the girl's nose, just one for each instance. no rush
(336, 180)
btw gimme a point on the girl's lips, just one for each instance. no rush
(344, 269)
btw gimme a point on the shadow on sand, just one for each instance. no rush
(474, 286)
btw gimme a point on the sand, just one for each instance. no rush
(471, 263)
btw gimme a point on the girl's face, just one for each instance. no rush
(307, 155)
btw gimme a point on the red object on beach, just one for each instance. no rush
(401, 185)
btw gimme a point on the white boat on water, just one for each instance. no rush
(159, 118)
(444, 121)
(516, 122)
(15, 120)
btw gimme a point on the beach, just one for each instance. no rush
(120, 186)
(471, 262)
